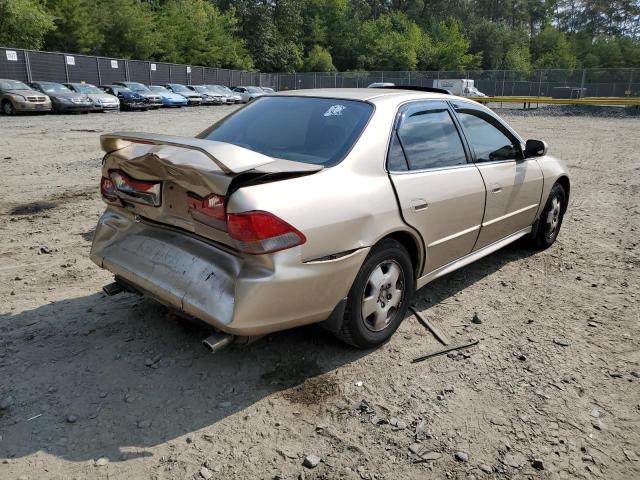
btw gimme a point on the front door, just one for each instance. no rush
(514, 184)
(441, 193)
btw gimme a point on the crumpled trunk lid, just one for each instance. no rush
(188, 166)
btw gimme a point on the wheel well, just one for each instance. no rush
(564, 181)
(409, 242)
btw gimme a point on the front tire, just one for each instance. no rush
(550, 220)
(379, 297)
(8, 108)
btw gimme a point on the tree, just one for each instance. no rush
(24, 23)
(77, 27)
(451, 48)
(319, 60)
(550, 49)
(196, 32)
(128, 29)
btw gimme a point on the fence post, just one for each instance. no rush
(66, 69)
(99, 73)
(150, 78)
(630, 81)
(584, 74)
(27, 65)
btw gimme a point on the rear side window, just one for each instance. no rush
(490, 141)
(304, 129)
(429, 137)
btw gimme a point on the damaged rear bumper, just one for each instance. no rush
(237, 294)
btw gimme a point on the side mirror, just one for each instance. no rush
(535, 148)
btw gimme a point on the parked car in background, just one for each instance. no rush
(128, 100)
(64, 100)
(102, 101)
(268, 90)
(228, 95)
(194, 98)
(208, 97)
(169, 99)
(155, 101)
(381, 85)
(248, 93)
(260, 224)
(18, 97)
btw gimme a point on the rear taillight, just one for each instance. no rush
(136, 191)
(108, 191)
(259, 232)
(208, 210)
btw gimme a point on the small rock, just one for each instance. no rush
(6, 403)
(522, 358)
(615, 374)
(461, 456)
(72, 419)
(311, 461)
(636, 374)
(430, 456)
(45, 249)
(597, 424)
(485, 468)
(101, 462)
(395, 422)
(189, 439)
(144, 423)
(148, 362)
(449, 389)
(512, 460)
(476, 319)
(538, 464)
(630, 454)
(587, 458)
(206, 473)
(595, 413)
(562, 342)
(103, 394)
(440, 397)
(592, 325)
(359, 383)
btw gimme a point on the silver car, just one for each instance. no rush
(102, 101)
(321, 206)
(248, 93)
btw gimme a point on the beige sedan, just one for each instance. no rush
(321, 206)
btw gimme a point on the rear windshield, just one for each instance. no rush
(310, 130)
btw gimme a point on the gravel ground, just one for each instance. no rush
(117, 387)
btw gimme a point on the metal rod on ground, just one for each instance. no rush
(442, 352)
(430, 326)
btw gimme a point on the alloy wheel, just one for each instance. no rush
(382, 295)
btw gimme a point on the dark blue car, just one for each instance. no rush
(128, 100)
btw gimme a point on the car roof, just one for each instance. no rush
(366, 94)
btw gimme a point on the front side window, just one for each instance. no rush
(50, 87)
(429, 137)
(490, 141)
(305, 129)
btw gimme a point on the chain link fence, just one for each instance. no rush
(619, 82)
(33, 65)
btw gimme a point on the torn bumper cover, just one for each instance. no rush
(240, 295)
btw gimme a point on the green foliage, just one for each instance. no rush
(76, 27)
(24, 23)
(319, 60)
(550, 49)
(290, 35)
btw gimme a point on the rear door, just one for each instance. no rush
(514, 184)
(440, 191)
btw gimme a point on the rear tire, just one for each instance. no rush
(8, 108)
(550, 220)
(379, 297)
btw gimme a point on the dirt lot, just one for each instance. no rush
(99, 387)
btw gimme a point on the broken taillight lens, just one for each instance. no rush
(136, 191)
(108, 191)
(260, 232)
(208, 210)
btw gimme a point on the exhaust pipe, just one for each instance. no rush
(217, 341)
(113, 288)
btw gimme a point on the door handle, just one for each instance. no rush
(418, 204)
(496, 188)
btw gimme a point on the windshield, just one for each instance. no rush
(50, 87)
(159, 89)
(180, 89)
(13, 85)
(254, 90)
(304, 129)
(138, 87)
(85, 88)
(201, 89)
(118, 89)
